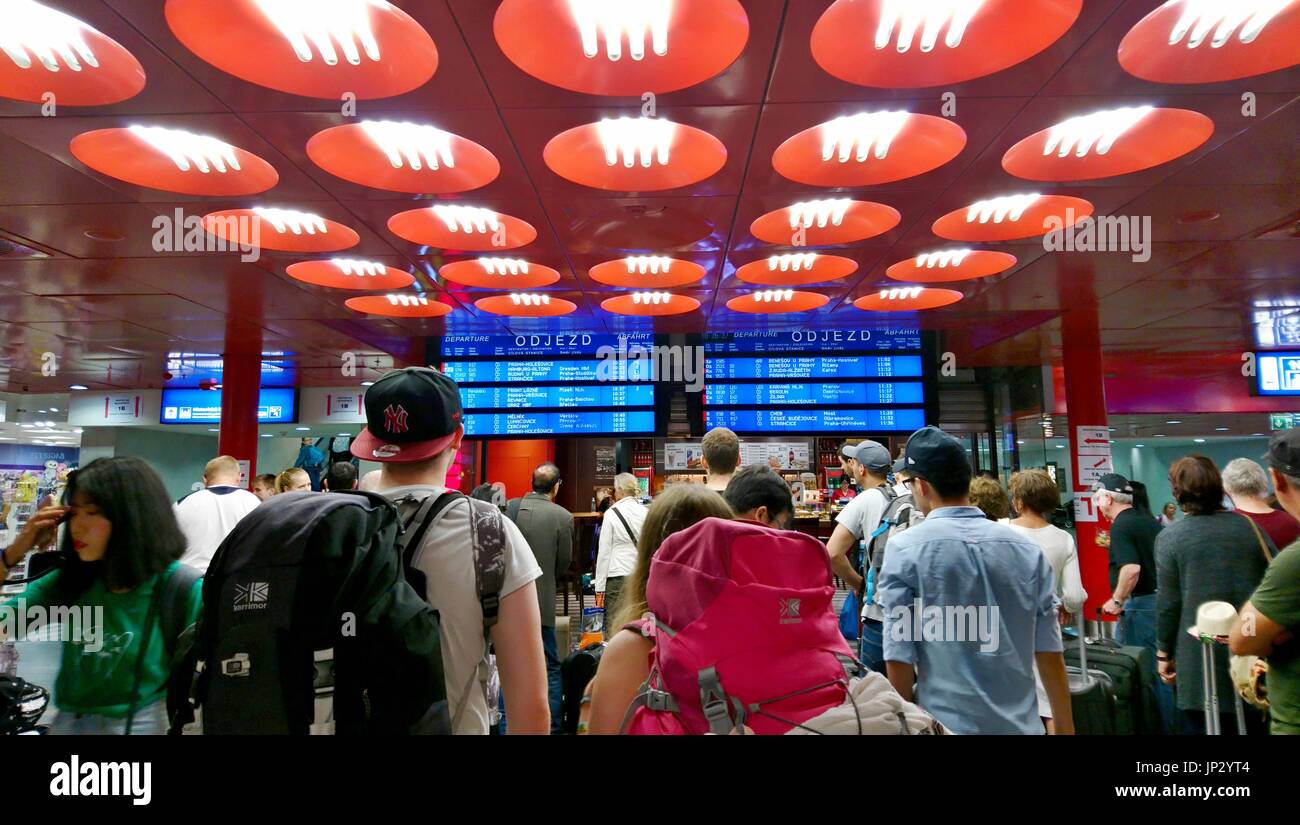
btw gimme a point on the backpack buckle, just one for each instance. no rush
(660, 700)
(236, 665)
(491, 605)
(713, 702)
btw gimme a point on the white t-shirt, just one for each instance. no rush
(1058, 546)
(207, 517)
(616, 554)
(447, 561)
(862, 514)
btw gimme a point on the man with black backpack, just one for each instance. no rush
(479, 572)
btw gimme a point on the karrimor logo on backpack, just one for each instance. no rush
(252, 596)
(790, 611)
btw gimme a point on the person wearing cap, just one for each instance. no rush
(957, 565)
(1212, 555)
(869, 464)
(414, 429)
(1132, 561)
(1269, 622)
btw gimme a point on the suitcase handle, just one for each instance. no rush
(1083, 645)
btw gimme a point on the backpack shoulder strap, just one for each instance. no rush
(488, 535)
(413, 530)
(174, 609)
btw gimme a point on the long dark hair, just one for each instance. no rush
(146, 538)
(1141, 499)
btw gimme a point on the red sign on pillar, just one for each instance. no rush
(1085, 401)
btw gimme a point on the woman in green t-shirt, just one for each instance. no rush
(120, 544)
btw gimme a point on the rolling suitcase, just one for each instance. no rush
(1092, 696)
(1132, 678)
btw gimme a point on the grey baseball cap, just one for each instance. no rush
(869, 454)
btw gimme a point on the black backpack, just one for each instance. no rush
(308, 614)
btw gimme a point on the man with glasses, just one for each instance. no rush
(969, 606)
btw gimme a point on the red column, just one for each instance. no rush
(1085, 401)
(240, 383)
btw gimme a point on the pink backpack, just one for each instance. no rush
(744, 633)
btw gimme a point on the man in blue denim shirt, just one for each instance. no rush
(969, 605)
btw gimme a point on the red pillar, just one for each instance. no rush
(1085, 401)
(240, 383)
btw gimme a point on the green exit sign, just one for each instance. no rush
(1281, 421)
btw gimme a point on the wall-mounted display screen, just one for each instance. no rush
(274, 406)
(780, 422)
(1277, 373)
(815, 381)
(1276, 323)
(553, 384)
(611, 422)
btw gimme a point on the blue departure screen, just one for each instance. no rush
(535, 372)
(1278, 373)
(777, 422)
(826, 340)
(811, 367)
(559, 423)
(513, 396)
(814, 394)
(274, 406)
(545, 344)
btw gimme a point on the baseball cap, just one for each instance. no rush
(931, 452)
(411, 415)
(1113, 483)
(869, 454)
(1284, 453)
(900, 466)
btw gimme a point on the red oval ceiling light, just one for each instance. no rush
(499, 273)
(398, 305)
(174, 161)
(825, 222)
(797, 269)
(471, 228)
(1012, 217)
(46, 52)
(777, 301)
(285, 230)
(948, 265)
(650, 303)
(897, 44)
(1209, 41)
(526, 305)
(647, 272)
(869, 148)
(907, 299)
(314, 48)
(635, 154)
(403, 157)
(348, 273)
(1108, 143)
(622, 48)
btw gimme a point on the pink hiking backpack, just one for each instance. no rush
(744, 633)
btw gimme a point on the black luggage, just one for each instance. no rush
(576, 673)
(1092, 695)
(1132, 675)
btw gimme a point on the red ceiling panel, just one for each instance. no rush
(125, 301)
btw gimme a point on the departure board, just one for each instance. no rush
(850, 381)
(559, 423)
(553, 384)
(779, 422)
(815, 394)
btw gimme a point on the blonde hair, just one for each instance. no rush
(988, 495)
(675, 509)
(286, 478)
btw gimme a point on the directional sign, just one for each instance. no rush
(1281, 421)
(1092, 441)
(1093, 467)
